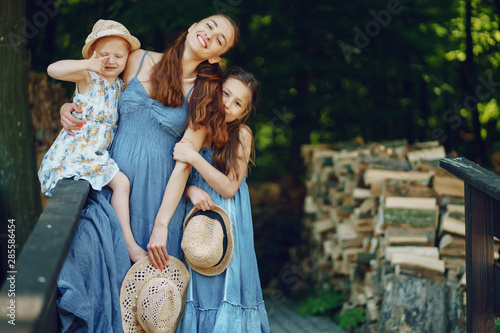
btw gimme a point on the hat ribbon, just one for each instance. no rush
(216, 216)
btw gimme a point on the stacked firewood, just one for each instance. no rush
(389, 224)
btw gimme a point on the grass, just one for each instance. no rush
(328, 302)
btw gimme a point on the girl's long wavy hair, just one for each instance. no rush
(206, 104)
(225, 158)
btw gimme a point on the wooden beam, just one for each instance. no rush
(473, 174)
(479, 251)
(31, 283)
(482, 208)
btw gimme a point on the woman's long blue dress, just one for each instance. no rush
(232, 301)
(91, 276)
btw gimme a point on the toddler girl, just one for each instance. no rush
(98, 87)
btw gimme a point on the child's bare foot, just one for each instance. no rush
(136, 253)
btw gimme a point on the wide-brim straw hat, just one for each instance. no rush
(152, 300)
(108, 28)
(207, 241)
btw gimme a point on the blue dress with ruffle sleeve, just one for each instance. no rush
(230, 302)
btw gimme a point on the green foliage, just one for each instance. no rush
(321, 80)
(326, 302)
(351, 318)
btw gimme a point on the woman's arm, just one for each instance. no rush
(71, 123)
(227, 186)
(173, 192)
(133, 61)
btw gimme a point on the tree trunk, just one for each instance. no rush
(303, 121)
(425, 112)
(409, 110)
(19, 188)
(497, 4)
(480, 150)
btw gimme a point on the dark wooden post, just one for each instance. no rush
(27, 297)
(482, 218)
(19, 186)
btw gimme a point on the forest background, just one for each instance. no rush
(329, 70)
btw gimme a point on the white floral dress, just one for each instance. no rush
(85, 156)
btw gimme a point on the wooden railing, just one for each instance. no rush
(482, 219)
(28, 296)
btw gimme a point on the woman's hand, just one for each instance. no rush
(69, 122)
(199, 197)
(184, 151)
(157, 246)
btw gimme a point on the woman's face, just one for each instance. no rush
(237, 99)
(210, 38)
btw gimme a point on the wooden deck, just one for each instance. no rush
(283, 318)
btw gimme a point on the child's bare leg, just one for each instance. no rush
(120, 203)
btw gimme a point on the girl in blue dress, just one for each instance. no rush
(153, 113)
(231, 301)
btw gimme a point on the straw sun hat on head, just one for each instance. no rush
(207, 241)
(107, 28)
(152, 300)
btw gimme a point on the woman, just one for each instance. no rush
(153, 112)
(230, 302)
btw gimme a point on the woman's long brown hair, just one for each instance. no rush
(205, 102)
(166, 75)
(225, 158)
